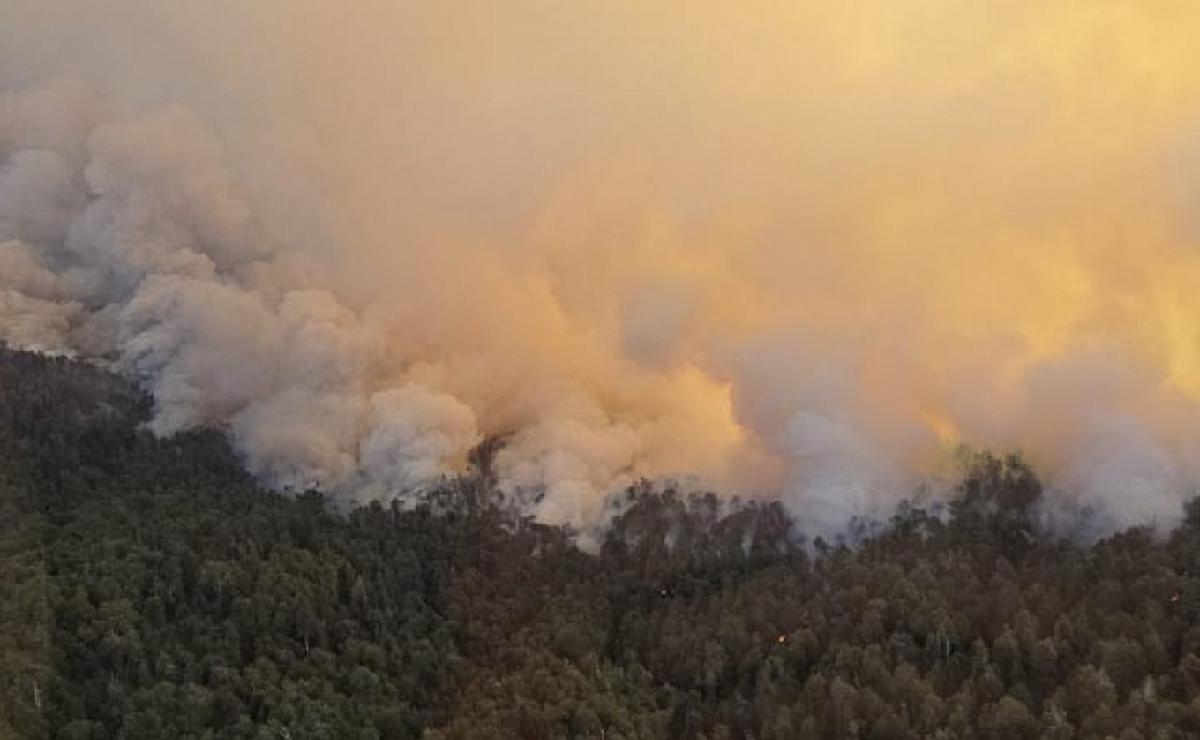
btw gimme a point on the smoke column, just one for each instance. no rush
(798, 250)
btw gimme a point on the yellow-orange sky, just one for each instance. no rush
(792, 248)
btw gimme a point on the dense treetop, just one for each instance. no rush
(150, 589)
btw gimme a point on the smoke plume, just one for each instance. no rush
(795, 250)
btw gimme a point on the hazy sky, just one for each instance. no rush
(797, 248)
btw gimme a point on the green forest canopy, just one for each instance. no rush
(150, 589)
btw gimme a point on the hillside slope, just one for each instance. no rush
(150, 589)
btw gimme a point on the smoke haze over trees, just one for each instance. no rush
(788, 249)
(150, 589)
(543, 369)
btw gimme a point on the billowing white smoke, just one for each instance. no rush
(796, 252)
(135, 244)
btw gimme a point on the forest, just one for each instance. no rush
(149, 588)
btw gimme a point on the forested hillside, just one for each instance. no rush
(150, 589)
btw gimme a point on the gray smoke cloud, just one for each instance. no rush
(789, 252)
(132, 242)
